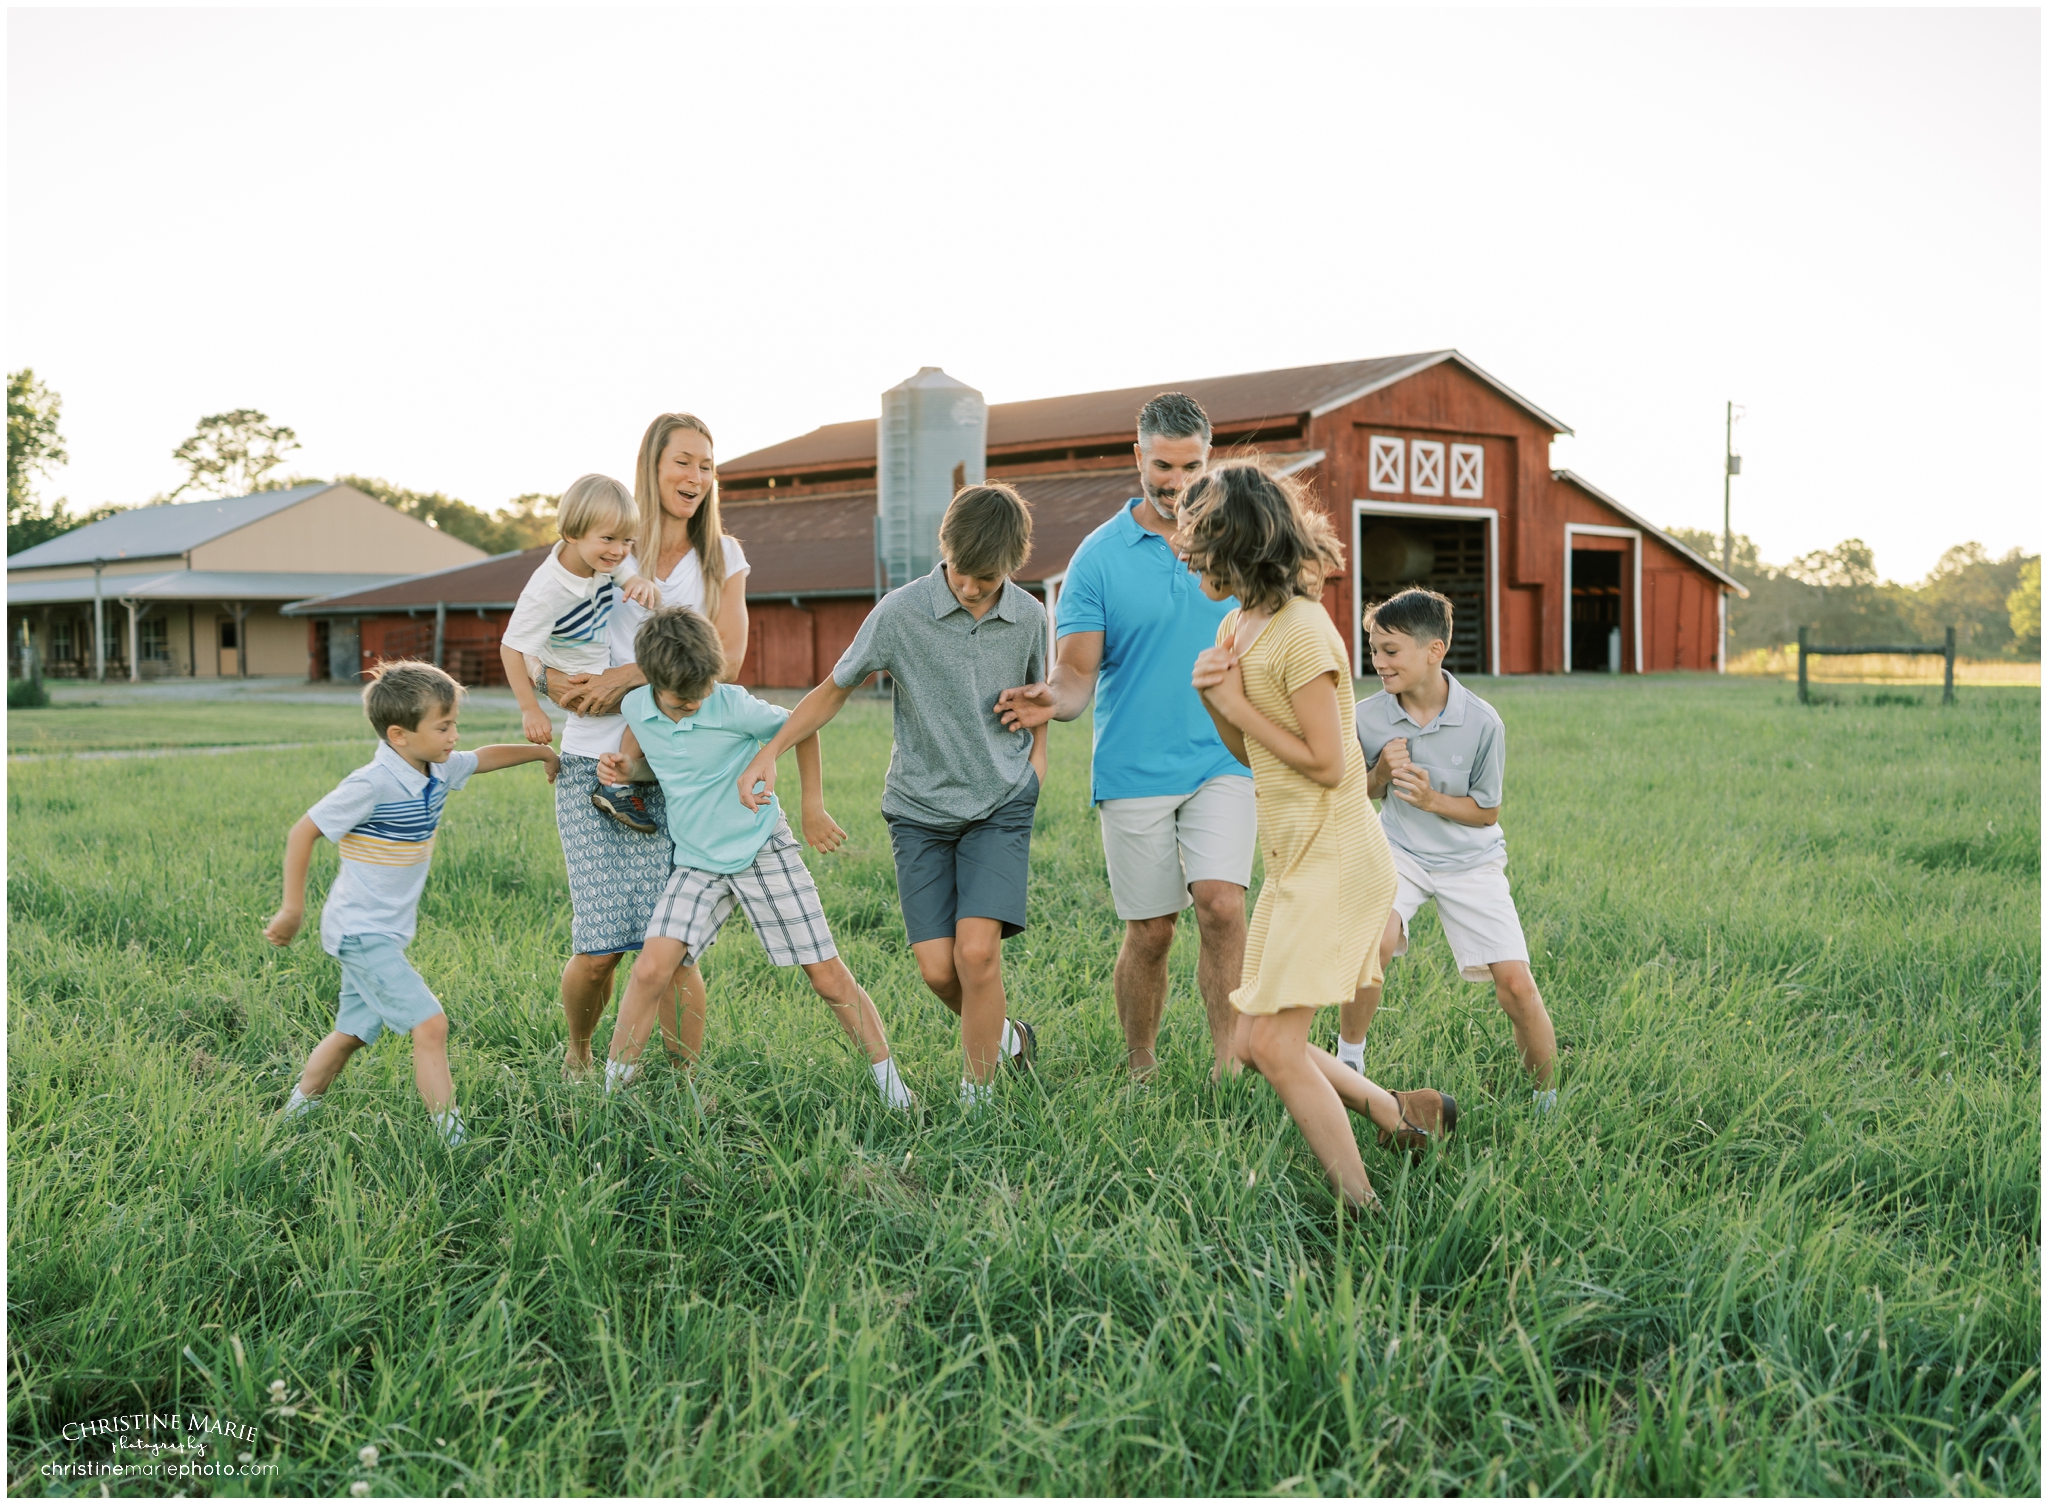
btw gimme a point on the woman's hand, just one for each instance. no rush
(600, 694)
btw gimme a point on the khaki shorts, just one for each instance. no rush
(1157, 845)
(1474, 907)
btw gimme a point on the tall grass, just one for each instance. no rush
(1783, 1235)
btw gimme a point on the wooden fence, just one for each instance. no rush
(1945, 650)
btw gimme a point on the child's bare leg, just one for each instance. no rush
(652, 981)
(1354, 1017)
(851, 1006)
(1280, 1054)
(966, 975)
(430, 1063)
(1514, 987)
(682, 1016)
(326, 1061)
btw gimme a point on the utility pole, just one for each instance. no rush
(1729, 470)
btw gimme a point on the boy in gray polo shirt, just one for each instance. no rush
(1434, 755)
(961, 790)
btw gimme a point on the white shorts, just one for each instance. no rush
(1474, 907)
(1158, 844)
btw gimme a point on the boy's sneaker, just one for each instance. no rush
(1025, 1056)
(625, 807)
(1545, 1103)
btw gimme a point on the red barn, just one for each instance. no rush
(1435, 473)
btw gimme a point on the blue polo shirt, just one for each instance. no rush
(699, 760)
(1152, 735)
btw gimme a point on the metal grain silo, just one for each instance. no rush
(932, 441)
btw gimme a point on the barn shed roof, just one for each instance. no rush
(1230, 401)
(150, 532)
(493, 582)
(1652, 529)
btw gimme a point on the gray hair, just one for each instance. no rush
(1172, 415)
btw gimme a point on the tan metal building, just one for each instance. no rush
(193, 589)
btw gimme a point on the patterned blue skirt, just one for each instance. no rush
(615, 874)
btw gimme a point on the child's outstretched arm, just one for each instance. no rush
(811, 713)
(626, 766)
(298, 856)
(533, 721)
(511, 754)
(820, 829)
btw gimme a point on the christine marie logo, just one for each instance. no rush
(165, 1431)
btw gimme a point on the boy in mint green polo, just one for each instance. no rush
(694, 735)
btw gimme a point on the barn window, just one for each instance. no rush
(1385, 464)
(1426, 468)
(1468, 470)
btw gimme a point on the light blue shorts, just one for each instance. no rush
(380, 990)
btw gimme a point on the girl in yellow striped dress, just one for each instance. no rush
(1278, 686)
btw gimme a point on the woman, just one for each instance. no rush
(619, 857)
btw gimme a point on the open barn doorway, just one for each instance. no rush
(1445, 554)
(1596, 611)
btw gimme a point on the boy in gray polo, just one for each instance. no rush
(961, 790)
(1435, 754)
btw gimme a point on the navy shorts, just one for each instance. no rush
(979, 871)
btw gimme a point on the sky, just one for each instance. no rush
(474, 251)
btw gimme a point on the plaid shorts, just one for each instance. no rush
(777, 893)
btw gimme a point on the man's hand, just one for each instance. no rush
(1411, 783)
(539, 730)
(821, 830)
(758, 782)
(642, 591)
(614, 769)
(283, 926)
(1027, 707)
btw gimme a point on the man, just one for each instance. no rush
(1179, 824)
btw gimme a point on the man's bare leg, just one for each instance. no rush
(1219, 969)
(1141, 984)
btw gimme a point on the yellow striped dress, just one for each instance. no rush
(1329, 882)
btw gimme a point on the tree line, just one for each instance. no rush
(236, 453)
(1994, 603)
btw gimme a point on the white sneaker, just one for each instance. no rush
(1545, 1102)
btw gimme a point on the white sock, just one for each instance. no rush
(889, 1083)
(973, 1094)
(1013, 1043)
(300, 1105)
(1351, 1055)
(448, 1124)
(618, 1073)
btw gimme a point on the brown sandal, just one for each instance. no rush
(1426, 1116)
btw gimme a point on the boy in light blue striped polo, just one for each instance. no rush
(383, 818)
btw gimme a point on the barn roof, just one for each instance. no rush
(150, 532)
(493, 582)
(1652, 529)
(185, 585)
(1230, 401)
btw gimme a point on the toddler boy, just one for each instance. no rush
(693, 734)
(383, 817)
(962, 790)
(1440, 751)
(563, 611)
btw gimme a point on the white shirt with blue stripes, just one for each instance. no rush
(563, 619)
(383, 818)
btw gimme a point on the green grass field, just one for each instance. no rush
(1782, 1237)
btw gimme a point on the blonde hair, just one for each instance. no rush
(707, 537)
(592, 501)
(986, 531)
